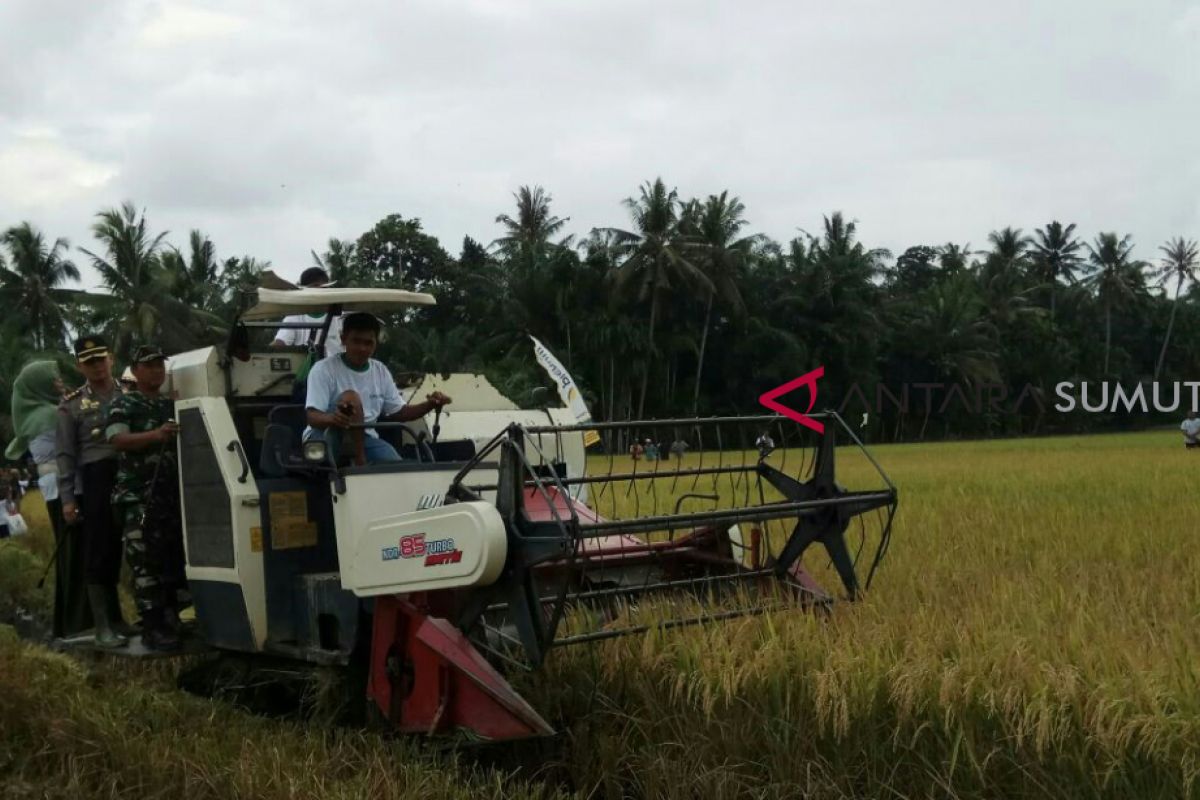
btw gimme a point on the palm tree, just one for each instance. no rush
(953, 258)
(1180, 263)
(1114, 276)
(194, 280)
(1009, 255)
(540, 270)
(1056, 255)
(950, 330)
(655, 262)
(239, 276)
(723, 258)
(840, 252)
(338, 261)
(528, 236)
(32, 285)
(133, 273)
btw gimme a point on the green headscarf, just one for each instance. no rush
(34, 405)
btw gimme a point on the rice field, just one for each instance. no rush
(1034, 632)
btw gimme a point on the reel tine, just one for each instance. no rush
(655, 557)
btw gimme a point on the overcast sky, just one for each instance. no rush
(272, 126)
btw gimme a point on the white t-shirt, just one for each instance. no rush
(300, 337)
(44, 448)
(1191, 428)
(330, 377)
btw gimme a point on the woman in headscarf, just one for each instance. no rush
(35, 397)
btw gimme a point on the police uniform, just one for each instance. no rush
(87, 469)
(147, 499)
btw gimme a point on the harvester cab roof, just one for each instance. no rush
(275, 303)
(490, 546)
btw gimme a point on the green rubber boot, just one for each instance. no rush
(105, 635)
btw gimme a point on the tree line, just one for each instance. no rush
(678, 310)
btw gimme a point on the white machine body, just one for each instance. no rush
(384, 552)
(228, 552)
(260, 555)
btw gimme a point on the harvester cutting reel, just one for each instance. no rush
(701, 525)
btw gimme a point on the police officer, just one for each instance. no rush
(141, 427)
(87, 472)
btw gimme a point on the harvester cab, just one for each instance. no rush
(499, 540)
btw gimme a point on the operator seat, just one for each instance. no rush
(292, 416)
(281, 440)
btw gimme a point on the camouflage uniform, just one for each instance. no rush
(148, 504)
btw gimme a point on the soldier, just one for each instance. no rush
(87, 472)
(141, 427)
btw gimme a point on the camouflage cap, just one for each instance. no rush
(148, 352)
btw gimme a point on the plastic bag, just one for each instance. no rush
(17, 525)
(309, 362)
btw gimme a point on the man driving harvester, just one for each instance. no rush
(353, 389)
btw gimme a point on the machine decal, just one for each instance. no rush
(413, 546)
(450, 557)
(290, 525)
(435, 552)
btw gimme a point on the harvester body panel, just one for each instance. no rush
(221, 523)
(385, 552)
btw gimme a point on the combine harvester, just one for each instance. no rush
(495, 541)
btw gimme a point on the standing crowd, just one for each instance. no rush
(13, 483)
(107, 470)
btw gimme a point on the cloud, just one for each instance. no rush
(50, 173)
(174, 24)
(275, 125)
(1188, 23)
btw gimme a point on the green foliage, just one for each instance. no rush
(396, 252)
(152, 290)
(683, 312)
(32, 286)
